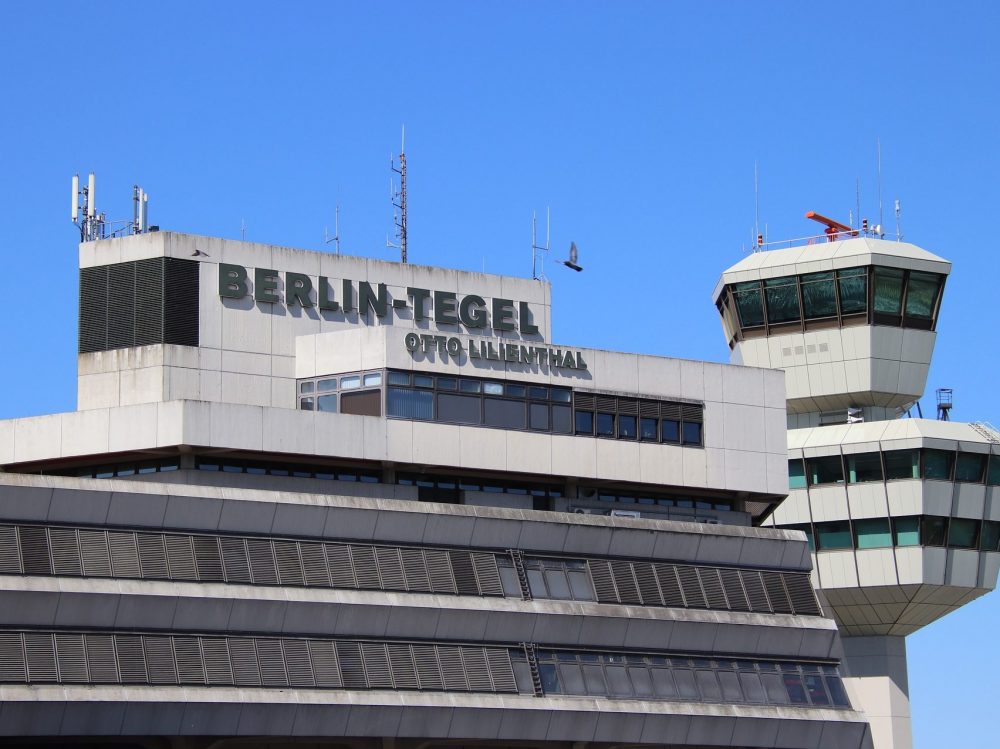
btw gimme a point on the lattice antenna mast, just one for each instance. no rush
(398, 197)
(537, 259)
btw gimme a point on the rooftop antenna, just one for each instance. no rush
(878, 159)
(398, 198)
(857, 199)
(758, 239)
(899, 213)
(83, 212)
(538, 261)
(944, 402)
(336, 231)
(140, 210)
(243, 229)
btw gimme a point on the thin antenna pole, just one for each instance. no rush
(857, 197)
(899, 212)
(878, 152)
(534, 252)
(400, 219)
(243, 229)
(756, 204)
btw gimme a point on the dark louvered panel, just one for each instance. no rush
(93, 309)
(452, 668)
(102, 662)
(338, 557)
(218, 669)
(583, 400)
(148, 301)
(711, 583)
(649, 589)
(160, 659)
(694, 597)
(190, 665)
(208, 558)
(801, 592)
(465, 573)
(314, 565)
(65, 552)
(439, 569)
(734, 590)
(243, 656)
(428, 669)
(650, 409)
(628, 591)
(415, 570)
(606, 403)
(501, 670)
(404, 671)
(95, 553)
(476, 669)
(180, 557)
(487, 574)
(390, 568)
(71, 658)
(776, 594)
(152, 555)
(326, 668)
(365, 568)
(121, 305)
(352, 668)
(756, 594)
(286, 556)
(40, 656)
(234, 560)
(35, 550)
(131, 659)
(670, 586)
(180, 303)
(691, 412)
(670, 411)
(124, 554)
(272, 662)
(12, 666)
(10, 555)
(628, 406)
(297, 663)
(376, 665)
(604, 584)
(262, 567)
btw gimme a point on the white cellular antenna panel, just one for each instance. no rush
(91, 210)
(75, 209)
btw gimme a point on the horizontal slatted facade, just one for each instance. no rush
(139, 303)
(57, 550)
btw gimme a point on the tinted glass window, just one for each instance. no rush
(692, 433)
(671, 430)
(373, 379)
(748, 303)
(306, 404)
(937, 464)
(584, 422)
(349, 383)
(460, 409)
(873, 533)
(853, 289)
(993, 477)
(834, 535)
(921, 294)
(326, 386)
(538, 392)
(796, 474)
(648, 429)
(327, 403)
(863, 467)
(516, 391)
(493, 388)
(605, 425)
(410, 404)
(539, 413)
(398, 378)
(902, 464)
(818, 295)
(963, 533)
(990, 539)
(469, 386)
(969, 467)
(932, 531)
(306, 387)
(825, 470)
(782, 299)
(906, 531)
(795, 690)
(626, 427)
(562, 417)
(368, 403)
(504, 413)
(446, 383)
(562, 395)
(888, 290)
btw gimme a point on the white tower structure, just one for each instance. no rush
(902, 514)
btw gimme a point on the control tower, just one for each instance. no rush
(902, 514)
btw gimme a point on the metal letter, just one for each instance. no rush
(348, 295)
(412, 341)
(297, 289)
(232, 281)
(367, 298)
(454, 347)
(503, 314)
(472, 311)
(418, 296)
(524, 318)
(444, 308)
(265, 285)
(322, 293)
(474, 351)
(580, 363)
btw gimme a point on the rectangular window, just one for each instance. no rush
(818, 296)
(423, 381)
(514, 391)
(938, 464)
(493, 388)
(648, 430)
(459, 409)
(562, 395)
(853, 287)
(584, 422)
(306, 387)
(969, 467)
(562, 419)
(306, 404)
(902, 464)
(921, 294)
(993, 476)
(796, 474)
(872, 533)
(670, 430)
(782, 299)
(538, 414)
(749, 305)
(825, 470)
(888, 290)
(990, 538)
(906, 531)
(833, 535)
(506, 414)
(539, 393)
(862, 467)
(327, 403)
(367, 403)
(447, 383)
(325, 386)
(626, 427)
(932, 531)
(350, 383)
(398, 378)
(410, 404)
(470, 386)
(605, 425)
(373, 379)
(692, 433)
(963, 533)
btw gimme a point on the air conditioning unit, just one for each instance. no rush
(586, 511)
(626, 514)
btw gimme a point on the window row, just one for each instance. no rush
(92, 552)
(637, 419)
(684, 679)
(926, 463)
(34, 657)
(917, 530)
(442, 488)
(124, 470)
(359, 393)
(661, 500)
(862, 295)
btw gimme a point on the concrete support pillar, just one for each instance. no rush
(875, 676)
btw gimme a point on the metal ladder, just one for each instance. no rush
(990, 432)
(517, 559)
(536, 679)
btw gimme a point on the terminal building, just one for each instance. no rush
(902, 514)
(316, 499)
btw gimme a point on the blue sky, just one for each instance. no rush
(637, 124)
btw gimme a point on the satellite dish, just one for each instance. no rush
(571, 263)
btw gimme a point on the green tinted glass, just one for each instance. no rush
(782, 299)
(796, 475)
(921, 294)
(853, 284)
(993, 475)
(888, 290)
(748, 303)
(818, 296)
(873, 533)
(907, 531)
